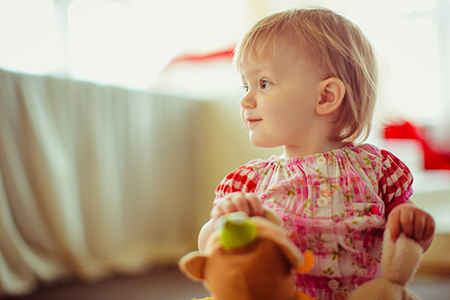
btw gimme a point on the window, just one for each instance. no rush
(129, 42)
(30, 38)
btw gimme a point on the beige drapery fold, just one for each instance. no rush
(93, 179)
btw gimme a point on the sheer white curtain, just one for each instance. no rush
(94, 180)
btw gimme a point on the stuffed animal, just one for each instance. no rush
(251, 259)
(248, 259)
(399, 262)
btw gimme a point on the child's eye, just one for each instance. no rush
(264, 84)
(245, 87)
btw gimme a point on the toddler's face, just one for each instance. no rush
(281, 91)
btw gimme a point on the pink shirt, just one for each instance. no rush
(334, 204)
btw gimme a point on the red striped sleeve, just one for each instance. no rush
(395, 182)
(241, 180)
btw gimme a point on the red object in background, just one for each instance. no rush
(227, 53)
(434, 159)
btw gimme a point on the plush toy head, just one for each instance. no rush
(246, 259)
(399, 262)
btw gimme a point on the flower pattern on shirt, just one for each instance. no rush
(334, 204)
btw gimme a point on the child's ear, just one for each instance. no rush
(332, 92)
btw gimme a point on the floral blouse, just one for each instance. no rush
(334, 204)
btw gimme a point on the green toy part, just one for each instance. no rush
(236, 230)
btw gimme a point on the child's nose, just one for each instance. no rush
(248, 102)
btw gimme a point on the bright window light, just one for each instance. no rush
(30, 38)
(130, 42)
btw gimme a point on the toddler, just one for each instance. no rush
(310, 78)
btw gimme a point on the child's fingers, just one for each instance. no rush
(255, 205)
(220, 209)
(239, 202)
(406, 219)
(223, 209)
(430, 227)
(413, 222)
(216, 212)
(231, 203)
(419, 227)
(248, 203)
(393, 224)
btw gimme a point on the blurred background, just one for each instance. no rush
(118, 118)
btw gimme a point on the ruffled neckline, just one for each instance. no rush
(314, 157)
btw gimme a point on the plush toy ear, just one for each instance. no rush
(400, 259)
(270, 215)
(308, 262)
(193, 265)
(290, 252)
(301, 262)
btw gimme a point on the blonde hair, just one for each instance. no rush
(340, 49)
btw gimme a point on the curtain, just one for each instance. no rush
(94, 180)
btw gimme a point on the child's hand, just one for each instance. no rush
(412, 221)
(248, 203)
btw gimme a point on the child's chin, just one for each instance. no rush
(261, 143)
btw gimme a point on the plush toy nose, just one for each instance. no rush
(236, 230)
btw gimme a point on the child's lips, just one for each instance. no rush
(252, 122)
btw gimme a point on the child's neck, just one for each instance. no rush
(310, 149)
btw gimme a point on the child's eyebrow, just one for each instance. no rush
(257, 70)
